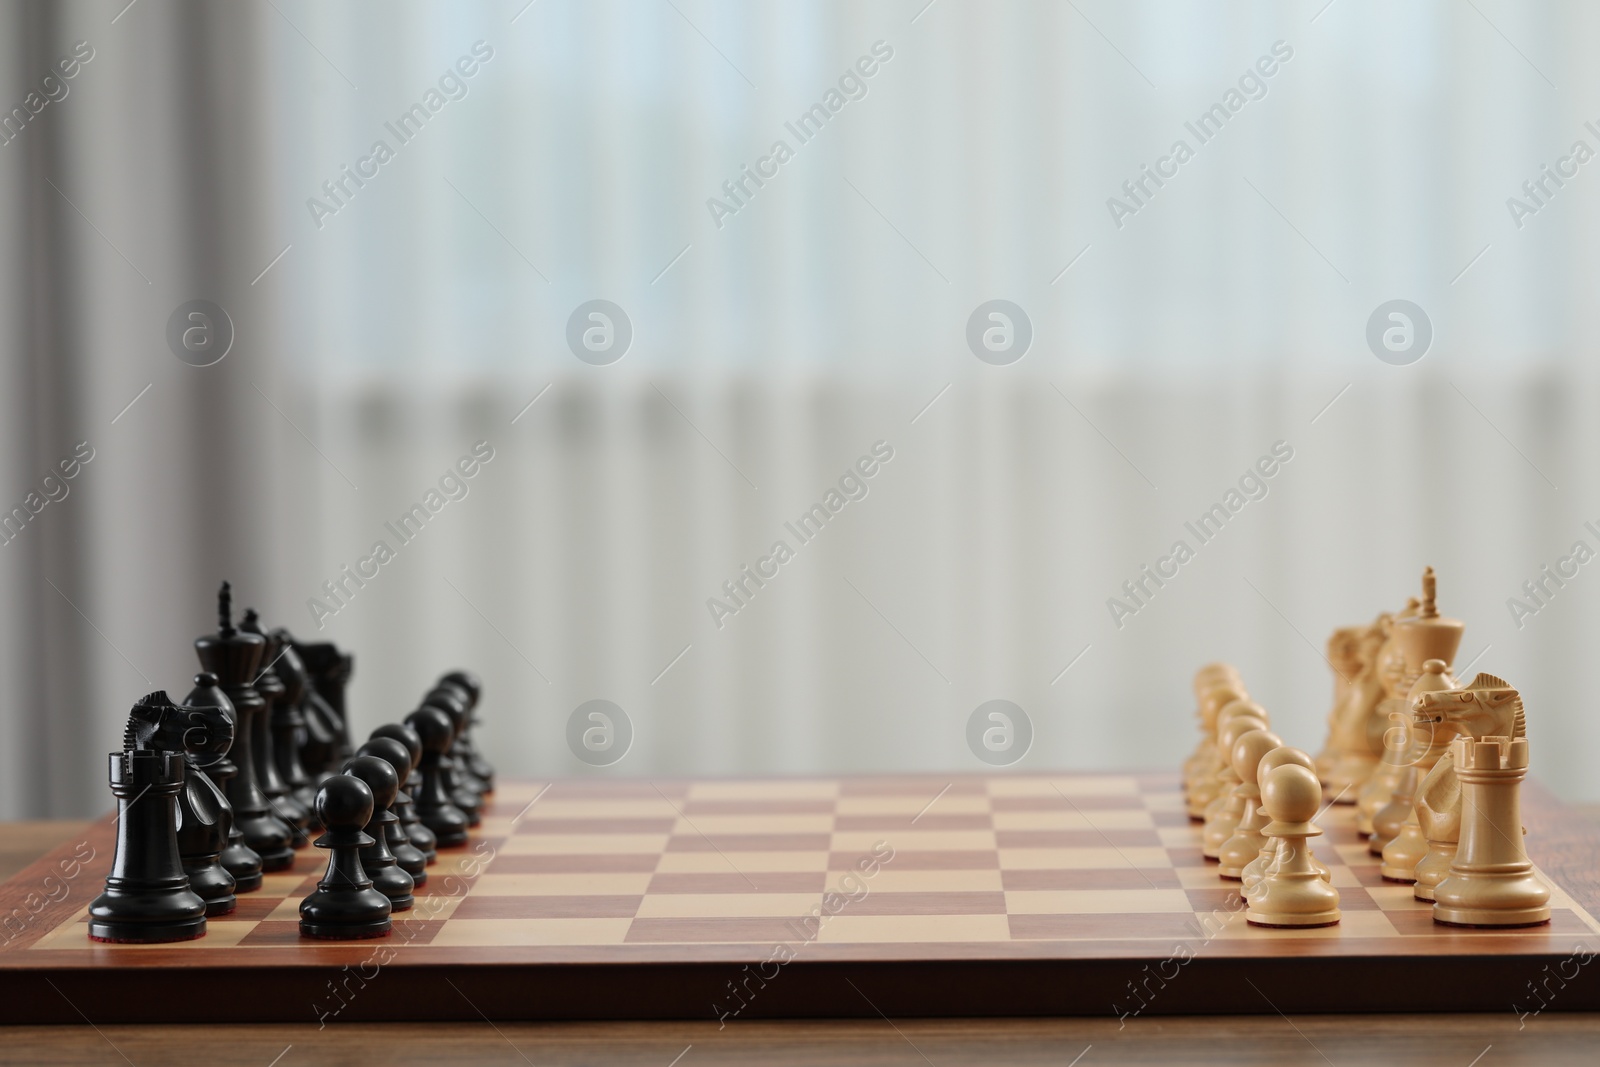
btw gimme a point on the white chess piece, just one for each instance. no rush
(1292, 892)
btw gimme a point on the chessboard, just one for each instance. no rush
(1068, 894)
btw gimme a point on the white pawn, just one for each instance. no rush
(1210, 795)
(1246, 844)
(1292, 893)
(1224, 813)
(1258, 867)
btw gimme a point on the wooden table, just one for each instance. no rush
(1489, 1040)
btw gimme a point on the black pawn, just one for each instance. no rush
(465, 791)
(147, 895)
(238, 859)
(205, 817)
(410, 784)
(473, 687)
(435, 807)
(235, 658)
(407, 855)
(388, 877)
(455, 701)
(344, 906)
(264, 742)
(289, 726)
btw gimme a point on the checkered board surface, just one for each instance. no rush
(1071, 866)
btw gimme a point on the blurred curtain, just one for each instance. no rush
(132, 190)
(774, 346)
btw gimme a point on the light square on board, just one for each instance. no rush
(934, 902)
(730, 843)
(731, 905)
(929, 820)
(572, 883)
(525, 844)
(912, 839)
(713, 825)
(1126, 878)
(1083, 858)
(1178, 837)
(738, 881)
(948, 801)
(588, 824)
(1117, 819)
(712, 862)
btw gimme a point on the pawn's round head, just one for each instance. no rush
(455, 689)
(344, 803)
(1243, 706)
(1216, 698)
(379, 776)
(1282, 756)
(468, 681)
(1248, 750)
(1210, 675)
(1291, 794)
(1235, 728)
(392, 752)
(406, 735)
(433, 727)
(451, 701)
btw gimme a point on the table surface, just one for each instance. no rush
(1489, 1040)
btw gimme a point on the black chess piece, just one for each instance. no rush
(289, 727)
(238, 859)
(344, 906)
(147, 897)
(465, 791)
(266, 682)
(328, 671)
(435, 807)
(200, 730)
(388, 877)
(319, 750)
(456, 701)
(473, 687)
(407, 855)
(410, 785)
(235, 658)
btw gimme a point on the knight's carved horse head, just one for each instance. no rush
(156, 722)
(1489, 707)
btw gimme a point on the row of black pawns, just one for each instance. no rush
(186, 847)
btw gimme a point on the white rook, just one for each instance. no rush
(1491, 881)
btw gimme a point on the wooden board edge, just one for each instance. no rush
(801, 990)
